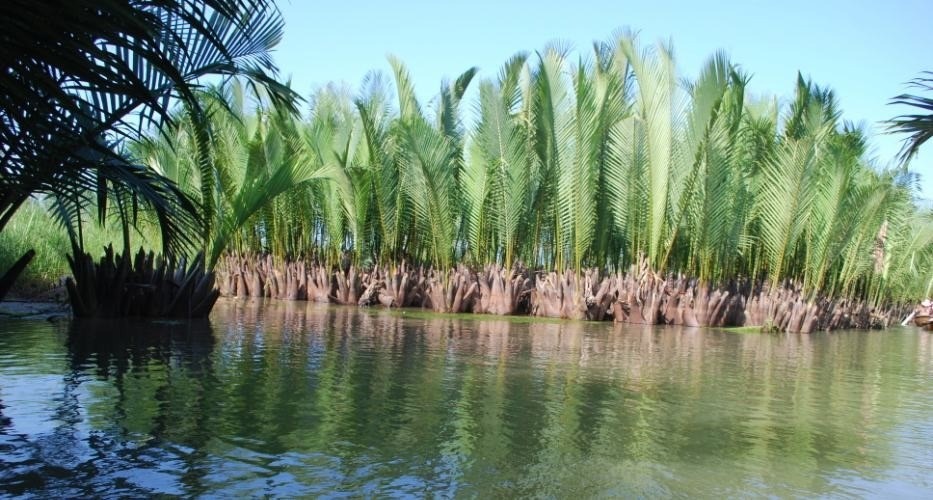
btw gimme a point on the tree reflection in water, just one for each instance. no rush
(292, 398)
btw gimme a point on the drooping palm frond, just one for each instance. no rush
(278, 164)
(259, 153)
(448, 116)
(911, 258)
(478, 171)
(613, 81)
(332, 139)
(785, 201)
(516, 167)
(601, 103)
(918, 126)
(496, 177)
(378, 149)
(408, 105)
(81, 75)
(621, 175)
(715, 191)
(837, 203)
(108, 176)
(788, 184)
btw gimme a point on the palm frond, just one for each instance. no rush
(917, 126)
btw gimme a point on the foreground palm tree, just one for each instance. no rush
(81, 77)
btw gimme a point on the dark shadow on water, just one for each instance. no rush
(116, 345)
(182, 350)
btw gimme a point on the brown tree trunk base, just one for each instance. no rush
(640, 296)
(503, 291)
(401, 287)
(115, 287)
(348, 287)
(452, 291)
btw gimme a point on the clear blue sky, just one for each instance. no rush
(863, 49)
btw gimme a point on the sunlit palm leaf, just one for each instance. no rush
(919, 126)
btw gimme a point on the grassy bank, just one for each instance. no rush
(34, 228)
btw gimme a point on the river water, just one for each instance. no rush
(297, 399)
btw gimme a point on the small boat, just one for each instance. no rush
(924, 321)
(923, 315)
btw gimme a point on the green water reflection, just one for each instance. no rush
(295, 399)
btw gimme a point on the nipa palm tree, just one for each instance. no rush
(918, 126)
(81, 77)
(604, 161)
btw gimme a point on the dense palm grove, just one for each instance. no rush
(570, 162)
(581, 185)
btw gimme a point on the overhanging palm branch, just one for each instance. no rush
(79, 75)
(919, 126)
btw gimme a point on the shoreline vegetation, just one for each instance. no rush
(615, 189)
(638, 296)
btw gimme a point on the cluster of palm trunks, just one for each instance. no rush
(639, 296)
(117, 286)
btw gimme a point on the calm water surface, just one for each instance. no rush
(296, 399)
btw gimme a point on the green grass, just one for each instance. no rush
(33, 227)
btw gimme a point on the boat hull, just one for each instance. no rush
(924, 321)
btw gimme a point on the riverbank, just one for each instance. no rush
(638, 296)
(29, 309)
